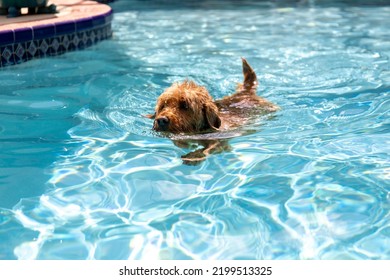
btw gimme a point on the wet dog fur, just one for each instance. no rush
(188, 108)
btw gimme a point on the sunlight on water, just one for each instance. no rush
(312, 182)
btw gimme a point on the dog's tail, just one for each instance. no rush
(250, 78)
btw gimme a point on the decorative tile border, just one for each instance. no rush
(23, 44)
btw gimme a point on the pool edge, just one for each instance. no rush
(32, 40)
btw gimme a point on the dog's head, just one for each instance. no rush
(185, 108)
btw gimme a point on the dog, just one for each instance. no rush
(188, 109)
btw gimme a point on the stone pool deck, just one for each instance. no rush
(77, 25)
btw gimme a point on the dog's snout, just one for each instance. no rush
(162, 123)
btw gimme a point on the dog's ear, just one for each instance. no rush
(212, 119)
(150, 116)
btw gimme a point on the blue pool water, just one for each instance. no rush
(82, 175)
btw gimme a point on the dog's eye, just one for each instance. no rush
(183, 105)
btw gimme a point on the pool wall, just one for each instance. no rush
(39, 36)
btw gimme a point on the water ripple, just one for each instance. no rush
(309, 183)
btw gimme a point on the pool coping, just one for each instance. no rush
(75, 27)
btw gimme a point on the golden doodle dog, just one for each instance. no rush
(187, 109)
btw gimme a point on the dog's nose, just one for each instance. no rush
(162, 123)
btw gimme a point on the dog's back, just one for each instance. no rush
(237, 108)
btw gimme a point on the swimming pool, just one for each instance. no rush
(82, 175)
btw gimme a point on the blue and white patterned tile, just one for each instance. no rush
(20, 53)
(84, 38)
(44, 47)
(55, 45)
(76, 41)
(7, 55)
(92, 36)
(31, 49)
(65, 42)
